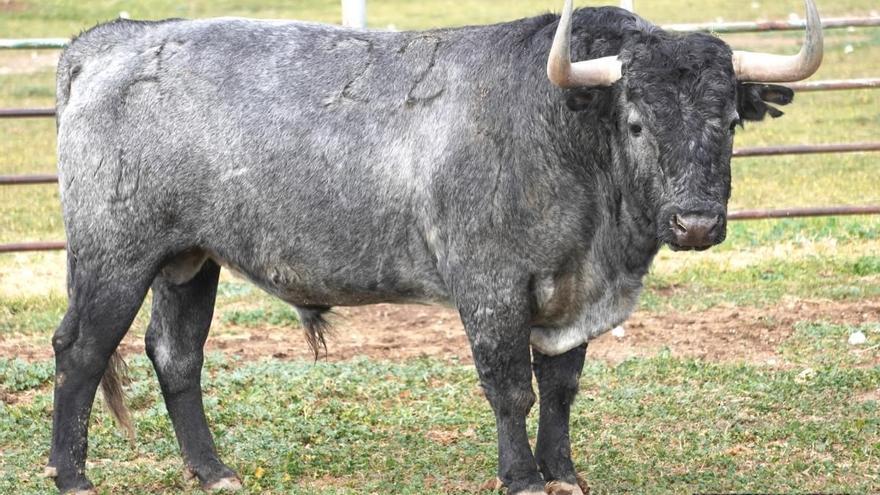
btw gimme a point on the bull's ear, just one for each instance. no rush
(752, 100)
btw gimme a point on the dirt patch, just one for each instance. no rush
(728, 333)
(719, 334)
(12, 6)
(388, 332)
(22, 398)
(870, 396)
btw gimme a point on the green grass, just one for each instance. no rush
(826, 345)
(29, 315)
(659, 425)
(700, 284)
(277, 314)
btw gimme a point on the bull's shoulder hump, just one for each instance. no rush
(117, 29)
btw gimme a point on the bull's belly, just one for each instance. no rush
(343, 285)
(596, 318)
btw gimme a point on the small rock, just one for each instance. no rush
(857, 338)
(618, 332)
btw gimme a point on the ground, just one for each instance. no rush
(397, 333)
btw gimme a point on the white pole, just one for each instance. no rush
(354, 13)
(628, 5)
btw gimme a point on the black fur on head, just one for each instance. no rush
(675, 113)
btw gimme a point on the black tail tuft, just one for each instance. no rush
(315, 327)
(114, 379)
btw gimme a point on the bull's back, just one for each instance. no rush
(265, 143)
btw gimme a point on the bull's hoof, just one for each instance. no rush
(83, 487)
(227, 483)
(188, 474)
(224, 484)
(582, 484)
(495, 485)
(562, 488)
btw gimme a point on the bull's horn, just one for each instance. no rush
(765, 67)
(599, 72)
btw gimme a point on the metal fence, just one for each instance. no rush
(733, 27)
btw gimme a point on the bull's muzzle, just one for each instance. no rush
(697, 230)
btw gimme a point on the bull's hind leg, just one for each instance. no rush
(104, 297)
(557, 386)
(175, 339)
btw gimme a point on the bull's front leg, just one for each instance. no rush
(497, 324)
(558, 378)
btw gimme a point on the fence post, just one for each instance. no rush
(354, 13)
(628, 5)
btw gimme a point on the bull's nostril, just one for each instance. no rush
(679, 224)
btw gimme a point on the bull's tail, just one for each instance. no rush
(114, 396)
(315, 327)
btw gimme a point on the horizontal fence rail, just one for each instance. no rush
(33, 43)
(826, 211)
(835, 85)
(20, 180)
(706, 27)
(764, 26)
(801, 149)
(23, 247)
(809, 86)
(24, 113)
(806, 149)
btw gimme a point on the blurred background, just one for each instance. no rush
(754, 366)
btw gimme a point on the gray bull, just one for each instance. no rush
(339, 167)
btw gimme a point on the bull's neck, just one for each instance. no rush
(630, 215)
(625, 228)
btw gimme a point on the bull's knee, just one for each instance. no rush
(506, 382)
(522, 399)
(511, 400)
(66, 333)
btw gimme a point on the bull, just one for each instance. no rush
(476, 167)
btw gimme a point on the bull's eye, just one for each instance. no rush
(635, 130)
